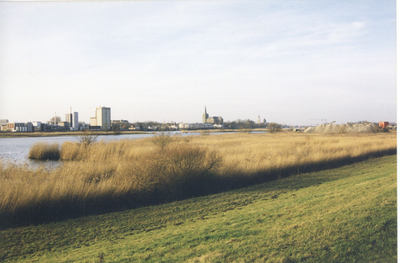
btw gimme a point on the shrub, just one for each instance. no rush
(274, 127)
(161, 140)
(175, 173)
(191, 169)
(44, 151)
(189, 160)
(87, 139)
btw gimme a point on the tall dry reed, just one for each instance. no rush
(45, 151)
(111, 175)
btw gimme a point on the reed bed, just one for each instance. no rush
(111, 175)
(45, 151)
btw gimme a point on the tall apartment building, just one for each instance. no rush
(75, 121)
(102, 118)
(72, 119)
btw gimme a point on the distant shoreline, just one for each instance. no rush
(79, 133)
(58, 134)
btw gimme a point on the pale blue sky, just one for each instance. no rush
(291, 62)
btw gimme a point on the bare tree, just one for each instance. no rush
(274, 127)
(162, 139)
(87, 139)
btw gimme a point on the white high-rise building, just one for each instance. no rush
(72, 119)
(75, 121)
(102, 118)
(68, 119)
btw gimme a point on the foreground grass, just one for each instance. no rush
(346, 214)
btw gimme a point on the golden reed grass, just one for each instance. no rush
(112, 175)
(45, 151)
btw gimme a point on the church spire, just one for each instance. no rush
(205, 115)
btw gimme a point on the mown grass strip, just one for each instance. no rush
(347, 214)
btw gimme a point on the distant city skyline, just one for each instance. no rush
(290, 62)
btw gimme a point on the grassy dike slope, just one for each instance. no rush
(347, 214)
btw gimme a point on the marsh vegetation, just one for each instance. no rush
(45, 151)
(106, 176)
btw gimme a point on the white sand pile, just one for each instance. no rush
(343, 128)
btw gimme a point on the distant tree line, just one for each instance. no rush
(243, 124)
(142, 126)
(157, 126)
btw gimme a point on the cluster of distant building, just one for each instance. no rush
(101, 121)
(207, 122)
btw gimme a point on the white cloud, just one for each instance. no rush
(253, 56)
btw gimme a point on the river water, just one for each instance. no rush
(16, 150)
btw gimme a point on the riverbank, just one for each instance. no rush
(106, 133)
(69, 133)
(203, 132)
(346, 214)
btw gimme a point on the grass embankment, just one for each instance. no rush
(110, 176)
(346, 214)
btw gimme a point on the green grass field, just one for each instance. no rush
(347, 214)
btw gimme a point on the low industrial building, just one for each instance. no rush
(383, 124)
(3, 124)
(195, 126)
(20, 127)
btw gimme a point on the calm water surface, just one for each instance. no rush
(16, 149)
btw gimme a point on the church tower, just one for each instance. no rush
(205, 115)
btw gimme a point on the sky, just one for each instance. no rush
(295, 62)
